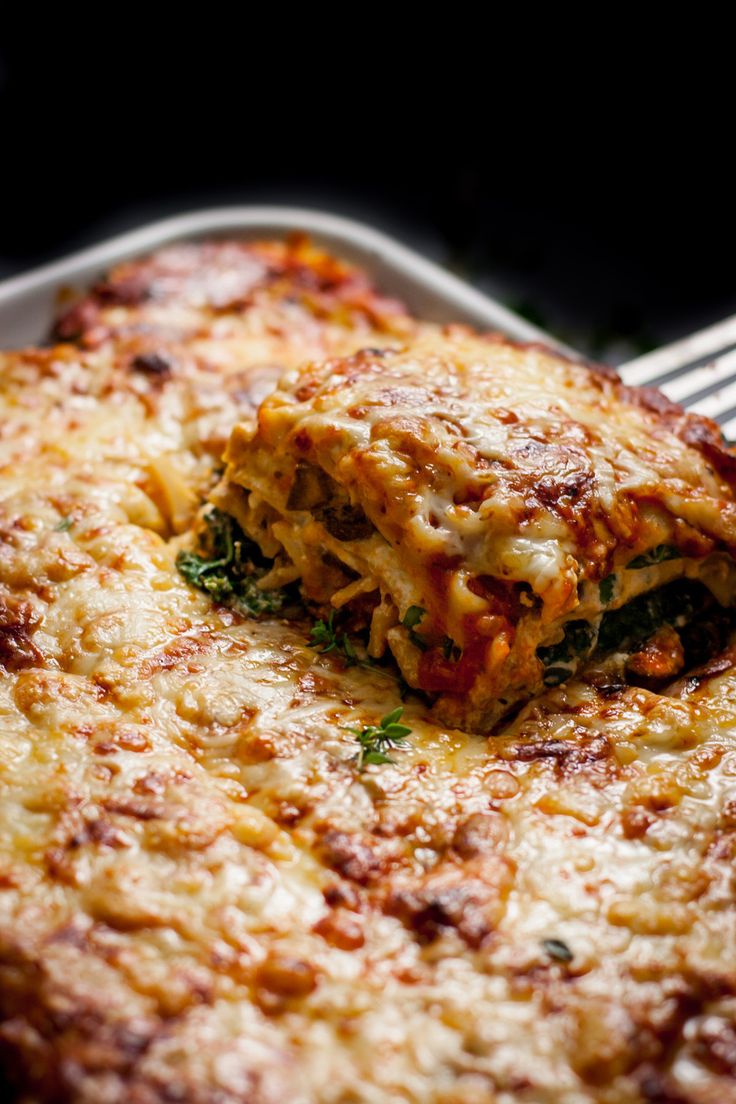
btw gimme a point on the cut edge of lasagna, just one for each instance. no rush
(491, 513)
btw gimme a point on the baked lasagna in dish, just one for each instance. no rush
(493, 513)
(237, 867)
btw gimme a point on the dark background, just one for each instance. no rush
(598, 201)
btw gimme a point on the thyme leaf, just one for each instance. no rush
(376, 740)
(326, 638)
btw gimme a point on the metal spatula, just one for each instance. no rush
(699, 372)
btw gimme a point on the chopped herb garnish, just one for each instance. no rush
(64, 525)
(606, 588)
(322, 635)
(228, 568)
(450, 649)
(411, 619)
(374, 740)
(555, 948)
(326, 638)
(655, 555)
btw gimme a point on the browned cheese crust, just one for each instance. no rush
(203, 900)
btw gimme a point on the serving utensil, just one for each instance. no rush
(698, 371)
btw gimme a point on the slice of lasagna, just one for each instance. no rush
(493, 513)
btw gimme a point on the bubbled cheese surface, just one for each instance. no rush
(203, 900)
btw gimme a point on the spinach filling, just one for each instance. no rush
(656, 555)
(561, 659)
(677, 604)
(627, 628)
(229, 565)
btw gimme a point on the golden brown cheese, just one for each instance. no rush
(204, 900)
(481, 495)
(203, 896)
(212, 325)
(164, 373)
(256, 306)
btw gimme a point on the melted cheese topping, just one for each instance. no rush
(202, 899)
(237, 305)
(497, 480)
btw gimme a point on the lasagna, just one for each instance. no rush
(254, 305)
(236, 867)
(182, 345)
(492, 513)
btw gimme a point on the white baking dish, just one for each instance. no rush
(27, 301)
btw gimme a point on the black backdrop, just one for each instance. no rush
(606, 215)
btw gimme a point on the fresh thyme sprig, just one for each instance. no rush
(374, 740)
(324, 637)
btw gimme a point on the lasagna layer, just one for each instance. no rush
(210, 894)
(475, 497)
